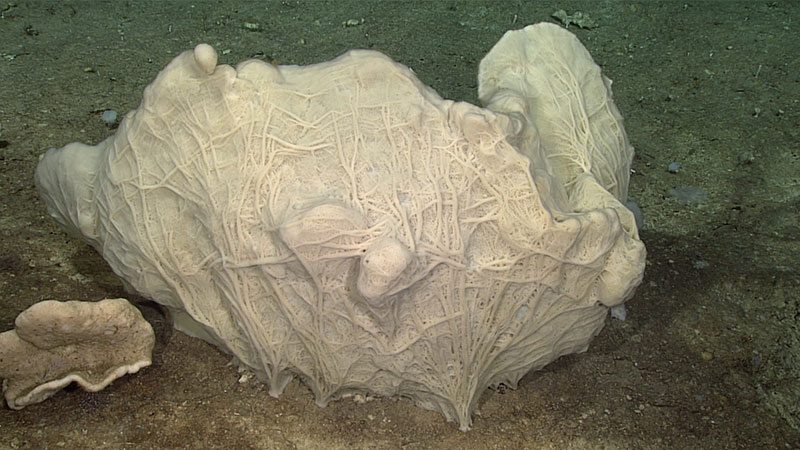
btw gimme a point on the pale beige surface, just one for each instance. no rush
(343, 223)
(544, 74)
(55, 343)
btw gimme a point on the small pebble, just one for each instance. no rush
(109, 116)
(618, 312)
(674, 167)
(707, 356)
(246, 376)
(251, 26)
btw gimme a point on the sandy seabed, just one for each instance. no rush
(709, 356)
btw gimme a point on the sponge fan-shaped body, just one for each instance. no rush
(342, 223)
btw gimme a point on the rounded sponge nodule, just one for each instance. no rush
(206, 58)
